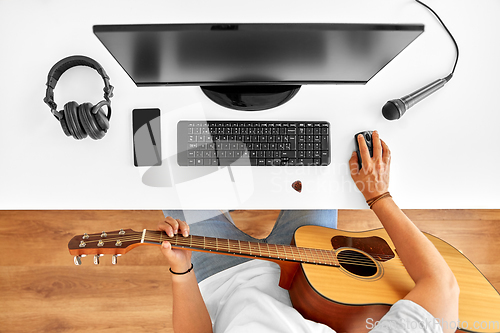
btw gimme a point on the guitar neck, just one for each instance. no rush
(244, 248)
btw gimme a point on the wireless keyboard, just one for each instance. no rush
(253, 143)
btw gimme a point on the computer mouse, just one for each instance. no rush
(367, 135)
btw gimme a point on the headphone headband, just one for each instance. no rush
(62, 66)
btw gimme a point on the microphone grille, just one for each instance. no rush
(393, 110)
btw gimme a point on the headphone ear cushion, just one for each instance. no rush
(102, 120)
(64, 125)
(88, 121)
(72, 121)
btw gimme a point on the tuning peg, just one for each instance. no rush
(96, 259)
(77, 260)
(114, 259)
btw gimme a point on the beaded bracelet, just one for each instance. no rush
(189, 270)
(372, 201)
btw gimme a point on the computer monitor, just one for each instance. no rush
(254, 66)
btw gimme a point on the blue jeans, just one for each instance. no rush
(213, 223)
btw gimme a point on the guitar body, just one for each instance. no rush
(344, 298)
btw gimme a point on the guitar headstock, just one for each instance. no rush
(115, 243)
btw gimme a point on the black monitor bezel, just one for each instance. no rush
(256, 26)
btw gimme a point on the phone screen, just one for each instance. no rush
(147, 137)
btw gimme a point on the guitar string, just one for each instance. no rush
(249, 248)
(213, 240)
(381, 255)
(355, 260)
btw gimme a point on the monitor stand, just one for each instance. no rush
(251, 98)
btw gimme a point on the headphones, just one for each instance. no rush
(84, 119)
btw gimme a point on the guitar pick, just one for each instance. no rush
(297, 186)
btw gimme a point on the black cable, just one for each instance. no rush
(449, 33)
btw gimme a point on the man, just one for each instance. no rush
(241, 295)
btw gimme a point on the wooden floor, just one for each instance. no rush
(41, 290)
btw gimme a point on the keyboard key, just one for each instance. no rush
(324, 143)
(289, 153)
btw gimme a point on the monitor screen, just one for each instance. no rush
(254, 54)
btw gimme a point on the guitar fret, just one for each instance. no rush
(304, 250)
(244, 248)
(301, 254)
(319, 256)
(283, 249)
(313, 257)
(254, 247)
(310, 255)
(306, 254)
(286, 253)
(316, 256)
(294, 249)
(325, 261)
(333, 257)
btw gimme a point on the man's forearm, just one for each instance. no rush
(436, 288)
(419, 255)
(189, 312)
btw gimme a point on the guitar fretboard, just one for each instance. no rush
(245, 248)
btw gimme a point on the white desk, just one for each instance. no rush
(445, 149)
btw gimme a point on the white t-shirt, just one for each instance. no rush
(247, 298)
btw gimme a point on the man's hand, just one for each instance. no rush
(179, 260)
(373, 178)
(189, 312)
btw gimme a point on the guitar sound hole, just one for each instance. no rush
(357, 263)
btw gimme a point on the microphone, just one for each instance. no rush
(396, 108)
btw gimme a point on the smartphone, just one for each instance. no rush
(146, 137)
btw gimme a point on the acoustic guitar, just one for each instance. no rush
(346, 280)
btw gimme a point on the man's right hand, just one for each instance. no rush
(373, 179)
(179, 260)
